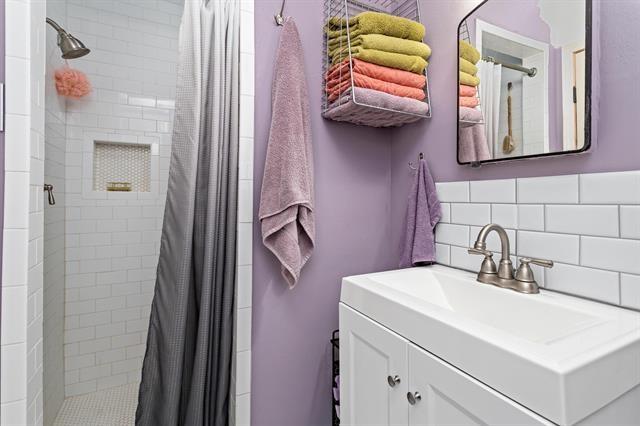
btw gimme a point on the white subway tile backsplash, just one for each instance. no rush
(446, 212)
(548, 190)
(505, 215)
(471, 214)
(493, 191)
(582, 219)
(610, 188)
(611, 253)
(586, 282)
(457, 235)
(545, 245)
(443, 255)
(453, 191)
(460, 258)
(630, 222)
(630, 290)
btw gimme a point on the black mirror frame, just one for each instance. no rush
(587, 98)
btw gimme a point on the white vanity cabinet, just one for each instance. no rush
(387, 380)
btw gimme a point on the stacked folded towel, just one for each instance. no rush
(469, 57)
(378, 52)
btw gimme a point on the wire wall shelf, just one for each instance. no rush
(363, 113)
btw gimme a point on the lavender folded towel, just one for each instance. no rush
(423, 213)
(286, 199)
(472, 144)
(345, 109)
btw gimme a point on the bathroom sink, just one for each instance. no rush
(561, 356)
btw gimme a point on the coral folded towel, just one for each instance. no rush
(376, 23)
(399, 61)
(468, 52)
(286, 200)
(391, 75)
(468, 79)
(468, 90)
(468, 101)
(380, 42)
(338, 85)
(468, 67)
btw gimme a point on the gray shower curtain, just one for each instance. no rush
(187, 366)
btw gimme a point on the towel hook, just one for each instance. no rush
(279, 17)
(420, 157)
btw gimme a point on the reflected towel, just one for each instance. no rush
(467, 90)
(376, 23)
(286, 199)
(392, 75)
(466, 66)
(468, 79)
(380, 42)
(468, 52)
(469, 116)
(423, 213)
(338, 85)
(399, 61)
(468, 101)
(472, 144)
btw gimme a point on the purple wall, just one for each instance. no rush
(291, 328)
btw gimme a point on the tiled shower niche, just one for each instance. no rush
(121, 163)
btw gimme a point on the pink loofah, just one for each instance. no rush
(71, 83)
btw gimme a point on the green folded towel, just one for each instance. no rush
(468, 67)
(410, 63)
(468, 79)
(381, 42)
(469, 52)
(376, 23)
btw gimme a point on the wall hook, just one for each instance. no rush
(420, 157)
(279, 17)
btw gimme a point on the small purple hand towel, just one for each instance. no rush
(286, 200)
(423, 213)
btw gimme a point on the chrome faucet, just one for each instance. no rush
(503, 275)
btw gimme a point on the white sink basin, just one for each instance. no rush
(558, 355)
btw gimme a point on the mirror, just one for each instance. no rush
(524, 80)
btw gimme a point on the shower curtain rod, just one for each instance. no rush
(531, 72)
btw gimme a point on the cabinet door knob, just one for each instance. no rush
(393, 380)
(413, 397)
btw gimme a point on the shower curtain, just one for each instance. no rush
(490, 76)
(187, 364)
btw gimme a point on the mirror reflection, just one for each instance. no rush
(523, 87)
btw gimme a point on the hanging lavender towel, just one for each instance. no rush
(286, 200)
(423, 213)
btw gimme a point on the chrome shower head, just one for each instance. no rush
(70, 46)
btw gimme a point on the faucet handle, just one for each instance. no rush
(473, 250)
(525, 273)
(540, 262)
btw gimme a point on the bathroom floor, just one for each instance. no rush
(109, 407)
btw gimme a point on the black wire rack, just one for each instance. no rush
(335, 378)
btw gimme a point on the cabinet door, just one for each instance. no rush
(450, 397)
(369, 355)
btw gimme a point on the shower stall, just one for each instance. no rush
(93, 234)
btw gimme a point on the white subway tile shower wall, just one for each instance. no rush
(240, 414)
(55, 159)
(22, 269)
(113, 238)
(588, 224)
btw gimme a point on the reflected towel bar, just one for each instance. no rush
(531, 72)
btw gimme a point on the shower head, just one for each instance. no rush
(70, 46)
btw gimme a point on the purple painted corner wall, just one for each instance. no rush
(361, 179)
(291, 365)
